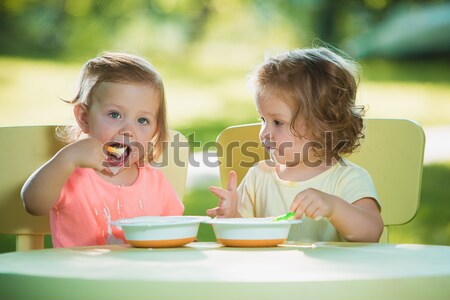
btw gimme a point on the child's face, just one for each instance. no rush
(275, 133)
(124, 113)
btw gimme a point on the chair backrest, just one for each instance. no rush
(392, 152)
(24, 149)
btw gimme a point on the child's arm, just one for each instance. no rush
(357, 222)
(229, 199)
(42, 189)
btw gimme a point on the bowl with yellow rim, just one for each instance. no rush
(160, 231)
(251, 232)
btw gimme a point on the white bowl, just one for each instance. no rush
(160, 231)
(251, 232)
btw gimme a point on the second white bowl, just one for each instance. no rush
(251, 232)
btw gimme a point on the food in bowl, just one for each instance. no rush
(251, 232)
(160, 231)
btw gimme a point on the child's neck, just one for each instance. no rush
(300, 172)
(125, 177)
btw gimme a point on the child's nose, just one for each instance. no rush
(127, 129)
(264, 133)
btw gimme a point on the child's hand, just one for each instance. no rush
(313, 203)
(229, 199)
(86, 153)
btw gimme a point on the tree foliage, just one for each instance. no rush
(50, 28)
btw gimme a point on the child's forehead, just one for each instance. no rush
(123, 87)
(109, 92)
(123, 83)
(266, 96)
(274, 107)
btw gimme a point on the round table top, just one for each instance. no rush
(211, 271)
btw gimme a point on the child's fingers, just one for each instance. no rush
(219, 192)
(213, 212)
(232, 181)
(295, 208)
(228, 198)
(312, 211)
(309, 207)
(300, 205)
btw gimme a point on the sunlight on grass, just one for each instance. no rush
(197, 201)
(189, 102)
(431, 225)
(30, 92)
(426, 103)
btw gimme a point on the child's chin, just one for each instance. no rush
(134, 162)
(276, 158)
(284, 161)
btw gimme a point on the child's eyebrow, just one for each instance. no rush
(113, 106)
(276, 115)
(149, 113)
(271, 114)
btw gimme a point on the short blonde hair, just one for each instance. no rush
(119, 68)
(320, 87)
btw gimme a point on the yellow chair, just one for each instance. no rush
(26, 148)
(392, 153)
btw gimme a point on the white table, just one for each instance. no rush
(210, 271)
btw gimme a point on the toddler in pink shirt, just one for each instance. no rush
(104, 173)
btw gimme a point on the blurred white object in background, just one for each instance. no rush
(437, 144)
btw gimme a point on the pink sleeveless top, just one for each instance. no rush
(88, 204)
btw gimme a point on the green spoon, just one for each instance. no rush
(286, 217)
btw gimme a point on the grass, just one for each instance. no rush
(432, 222)
(197, 201)
(30, 91)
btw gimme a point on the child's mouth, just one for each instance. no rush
(269, 146)
(117, 154)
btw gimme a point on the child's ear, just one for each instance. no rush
(81, 115)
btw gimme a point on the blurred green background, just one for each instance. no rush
(204, 50)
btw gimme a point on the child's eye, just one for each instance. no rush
(277, 123)
(143, 121)
(262, 119)
(114, 115)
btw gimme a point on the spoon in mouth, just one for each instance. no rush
(116, 151)
(117, 157)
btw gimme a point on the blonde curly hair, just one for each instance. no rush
(320, 86)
